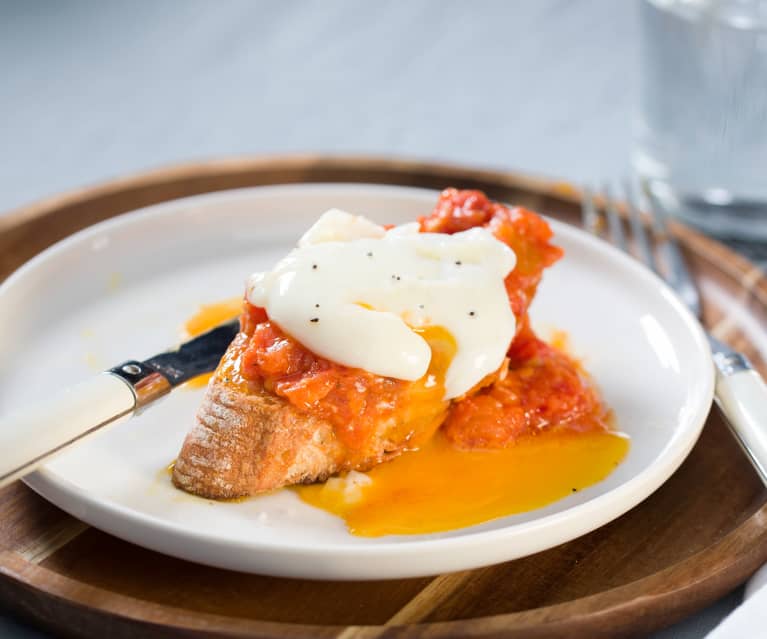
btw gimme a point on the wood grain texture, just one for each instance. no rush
(702, 533)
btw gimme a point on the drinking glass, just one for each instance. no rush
(701, 135)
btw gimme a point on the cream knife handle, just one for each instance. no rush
(742, 396)
(30, 437)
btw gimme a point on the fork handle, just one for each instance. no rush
(742, 397)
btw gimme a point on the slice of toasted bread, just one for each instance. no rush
(244, 443)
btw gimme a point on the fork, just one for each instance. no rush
(740, 391)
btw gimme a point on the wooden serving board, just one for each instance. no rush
(697, 537)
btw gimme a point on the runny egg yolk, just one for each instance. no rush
(440, 487)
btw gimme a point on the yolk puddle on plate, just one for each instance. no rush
(207, 317)
(440, 487)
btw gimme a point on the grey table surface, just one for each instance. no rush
(94, 90)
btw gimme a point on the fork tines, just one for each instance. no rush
(647, 238)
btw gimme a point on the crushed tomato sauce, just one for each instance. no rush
(539, 388)
(544, 389)
(353, 400)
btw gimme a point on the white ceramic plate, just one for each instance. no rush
(122, 290)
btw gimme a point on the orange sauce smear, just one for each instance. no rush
(206, 318)
(440, 487)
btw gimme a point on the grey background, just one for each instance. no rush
(91, 90)
(94, 90)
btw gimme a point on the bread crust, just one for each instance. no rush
(243, 444)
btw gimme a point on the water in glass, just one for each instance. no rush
(702, 125)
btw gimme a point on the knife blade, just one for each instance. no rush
(30, 437)
(159, 374)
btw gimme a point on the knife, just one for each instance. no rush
(30, 437)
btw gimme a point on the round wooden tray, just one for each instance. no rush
(697, 537)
